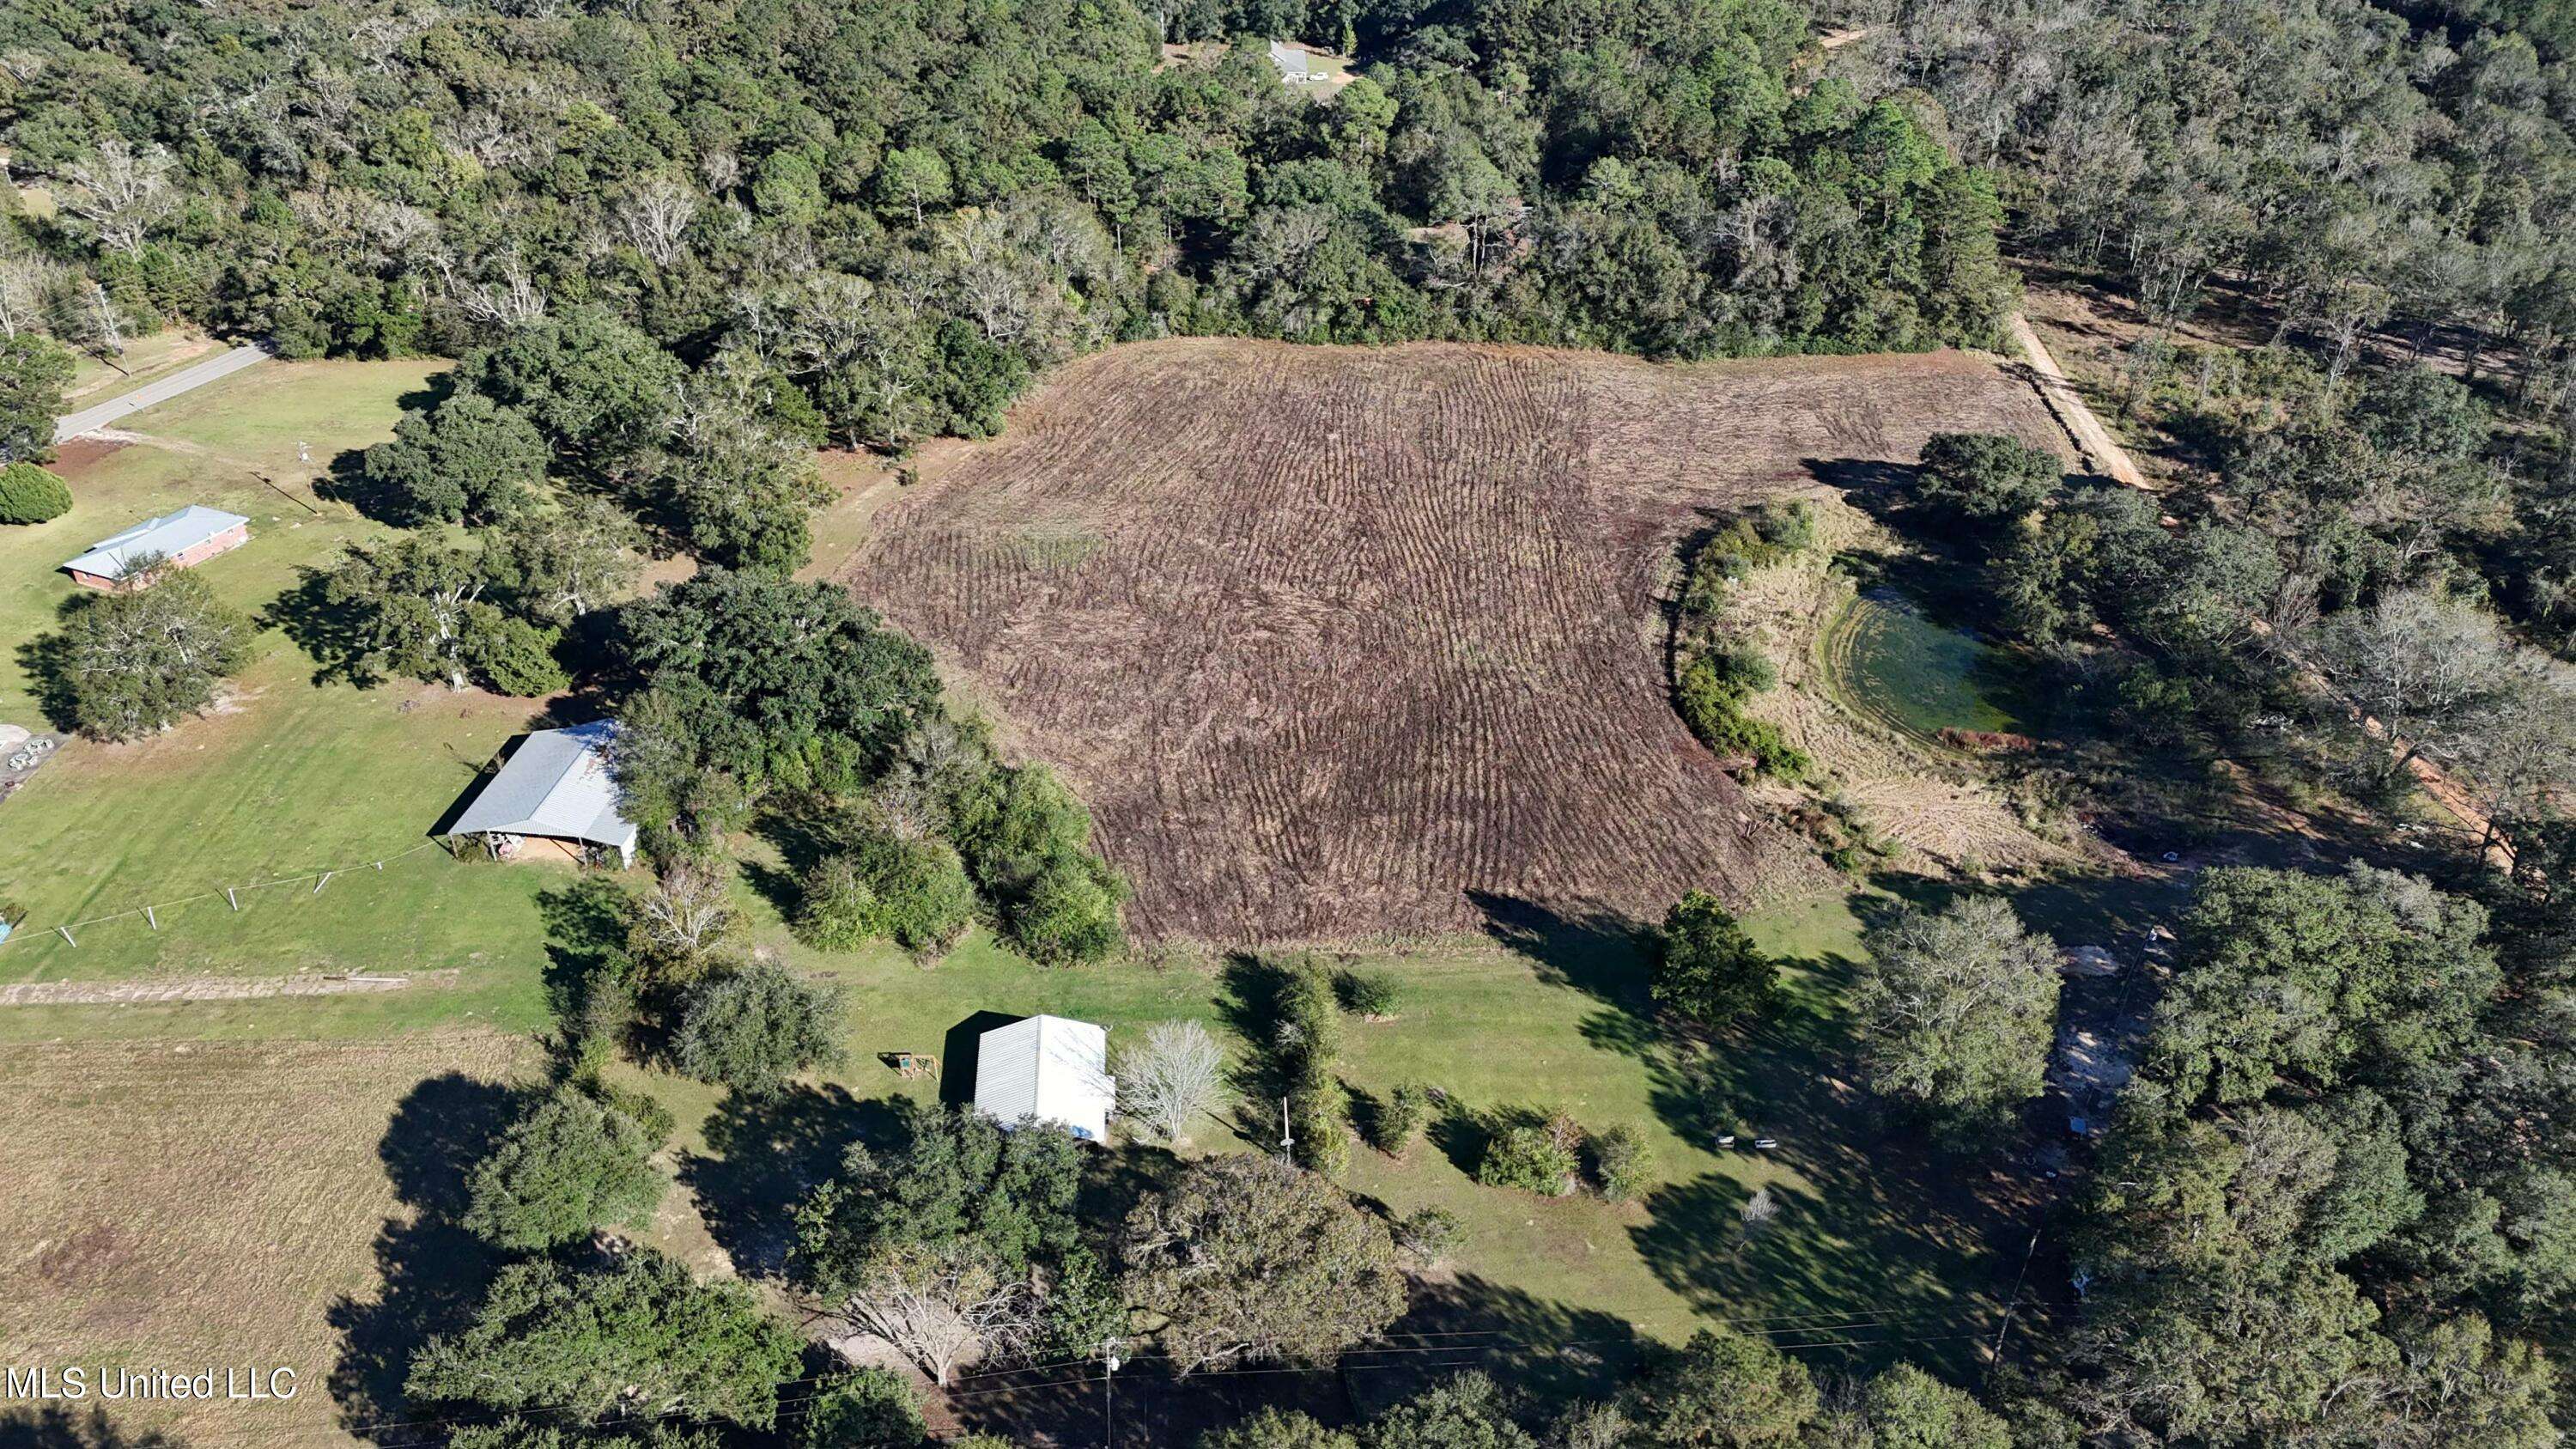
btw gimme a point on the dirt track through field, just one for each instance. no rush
(1341, 642)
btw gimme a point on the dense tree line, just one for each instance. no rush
(880, 218)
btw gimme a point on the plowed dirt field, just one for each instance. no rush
(1343, 643)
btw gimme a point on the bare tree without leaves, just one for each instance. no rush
(940, 1303)
(1175, 1078)
(686, 914)
(2433, 670)
(121, 193)
(656, 215)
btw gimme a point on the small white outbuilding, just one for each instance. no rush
(1051, 1068)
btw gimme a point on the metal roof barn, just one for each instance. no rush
(181, 538)
(1051, 1068)
(558, 787)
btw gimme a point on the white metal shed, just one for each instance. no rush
(1051, 1068)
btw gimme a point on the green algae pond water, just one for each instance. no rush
(1892, 662)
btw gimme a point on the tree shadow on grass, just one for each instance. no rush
(435, 1272)
(585, 924)
(325, 630)
(1461, 1322)
(46, 661)
(764, 1154)
(1877, 1227)
(55, 1427)
(1599, 953)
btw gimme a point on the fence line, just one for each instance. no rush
(230, 894)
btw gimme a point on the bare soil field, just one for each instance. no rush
(1340, 643)
(196, 1206)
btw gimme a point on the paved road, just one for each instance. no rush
(186, 379)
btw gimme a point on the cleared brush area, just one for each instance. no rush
(1342, 642)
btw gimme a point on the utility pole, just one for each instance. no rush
(1287, 1142)
(1108, 1396)
(1995, 1355)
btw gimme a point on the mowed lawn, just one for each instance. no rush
(289, 777)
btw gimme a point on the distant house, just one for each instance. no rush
(1051, 1068)
(554, 793)
(181, 540)
(1294, 65)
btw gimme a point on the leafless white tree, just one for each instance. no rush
(508, 300)
(121, 193)
(688, 910)
(939, 1303)
(2433, 670)
(1175, 1078)
(656, 215)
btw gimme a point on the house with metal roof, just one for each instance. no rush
(178, 540)
(1050, 1068)
(1292, 62)
(555, 793)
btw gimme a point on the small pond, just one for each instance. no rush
(1924, 678)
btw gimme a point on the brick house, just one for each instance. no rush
(180, 540)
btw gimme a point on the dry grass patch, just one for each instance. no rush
(193, 1206)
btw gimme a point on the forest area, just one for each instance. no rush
(678, 248)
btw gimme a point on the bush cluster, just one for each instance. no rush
(1307, 1040)
(1555, 1156)
(29, 494)
(1713, 675)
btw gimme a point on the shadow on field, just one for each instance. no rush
(326, 630)
(54, 1427)
(585, 924)
(764, 1154)
(1599, 953)
(1878, 1232)
(1469, 1322)
(435, 1272)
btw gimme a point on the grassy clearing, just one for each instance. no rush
(291, 777)
(1871, 1229)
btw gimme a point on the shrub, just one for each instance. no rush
(1070, 915)
(865, 1406)
(1309, 1027)
(1400, 1118)
(1620, 1161)
(1789, 525)
(1532, 1157)
(1319, 1115)
(1369, 993)
(836, 908)
(1710, 693)
(924, 900)
(29, 494)
(752, 1029)
(1430, 1234)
